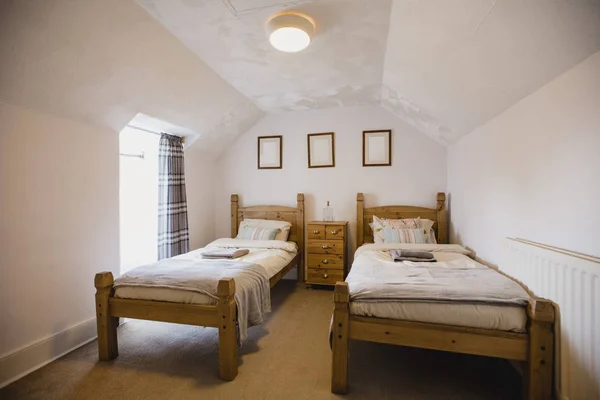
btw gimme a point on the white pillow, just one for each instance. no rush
(283, 226)
(377, 234)
(283, 234)
(430, 239)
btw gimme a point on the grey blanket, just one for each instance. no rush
(375, 277)
(252, 294)
(399, 255)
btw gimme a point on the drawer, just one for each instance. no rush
(325, 246)
(316, 231)
(330, 261)
(324, 276)
(334, 232)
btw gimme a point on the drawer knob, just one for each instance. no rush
(334, 232)
(324, 246)
(325, 276)
(316, 231)
(325, 261)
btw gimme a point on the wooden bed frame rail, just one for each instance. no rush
(222, 315)
(534, 348)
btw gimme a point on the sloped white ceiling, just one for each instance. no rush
(342, 67)
(104, 61)
(450, 66)
(443, 66)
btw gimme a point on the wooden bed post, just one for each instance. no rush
(540, 364)
(360, 220)
(107, 326)
(234, 215)
(340, 339)
(300, 223)
(442, 218)
(228, 343)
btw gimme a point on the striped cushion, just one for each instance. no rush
(256, 233)
(391, 235)
(407, 223)
(380, 223)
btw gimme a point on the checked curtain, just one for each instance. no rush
(173, 234)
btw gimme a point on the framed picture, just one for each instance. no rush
(377, 148)
(321, 150)
(269, 152)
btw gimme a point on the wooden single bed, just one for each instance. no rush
(534, 348)
(222, 315)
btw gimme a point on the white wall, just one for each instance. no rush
(59, 223)
(417, 173)
(199, 182)
(78, 72)
(533, 171)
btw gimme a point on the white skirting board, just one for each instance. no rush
(572, 281)
(26, 360)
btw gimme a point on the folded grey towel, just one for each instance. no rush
(225, 253)
(412, 255)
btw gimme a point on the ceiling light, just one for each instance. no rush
(290, 31)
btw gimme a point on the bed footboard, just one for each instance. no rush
(535, 348)
(222, 316)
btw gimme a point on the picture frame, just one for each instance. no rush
(321, 150)
(377, 148)
(270, 152)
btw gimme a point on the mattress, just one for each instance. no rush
(272, 255)
(504, 317)
(483, 316)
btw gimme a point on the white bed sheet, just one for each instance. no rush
(272, 255)
(484, 316)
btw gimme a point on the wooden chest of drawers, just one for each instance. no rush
(326, 260)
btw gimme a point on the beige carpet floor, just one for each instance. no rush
(287, 358)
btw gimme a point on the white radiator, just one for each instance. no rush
(571, 280)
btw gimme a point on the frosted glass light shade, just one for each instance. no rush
(290, 32)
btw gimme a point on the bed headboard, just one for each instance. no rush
(364, 216)
(295, 216)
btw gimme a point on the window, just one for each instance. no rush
(138, 192)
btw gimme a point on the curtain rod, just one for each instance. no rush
(152, 132)
(142, 156)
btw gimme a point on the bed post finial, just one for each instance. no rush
(228, 343)
(441, 201)
(360, 220)
(442, 219)
(106, 325)
(340, 338)
(234, 215)
(300, 228)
